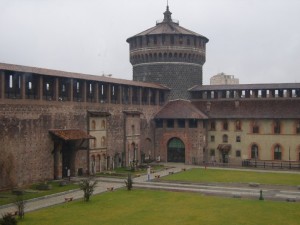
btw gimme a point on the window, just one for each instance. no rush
(212, 125)
(180, 40)
(225, 125)
(277, 152)
(133, 129)
(188, 42)
(155, 40)
(103, 142)
(276, 127)
(103, 124)
(255, 127)
(298, 127)
(212, 152)
(170, 123)
(192, 123)
(254, 151)
(181, 123)
(238, 125)
(225, 138)
(238, 138)
(238, 153)
(172, 40)
(159, 123)
(93, 125)
(212, 138)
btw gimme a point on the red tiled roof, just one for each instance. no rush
(255, 108)
(180, 109)
(57, 73)
(71, 134)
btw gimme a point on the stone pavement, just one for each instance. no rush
(232, 190)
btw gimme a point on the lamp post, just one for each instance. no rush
(290, 157)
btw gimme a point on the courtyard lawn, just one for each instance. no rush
(161, 207)
(7, 197)
(235, 176)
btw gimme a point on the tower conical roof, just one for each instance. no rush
(167, 26)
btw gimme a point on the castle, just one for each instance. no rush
(52, 121)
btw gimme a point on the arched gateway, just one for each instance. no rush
(176, 150)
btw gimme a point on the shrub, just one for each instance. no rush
(8, 219)
(88, 187)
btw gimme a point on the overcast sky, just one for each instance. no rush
(258, 41)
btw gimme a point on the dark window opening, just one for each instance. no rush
(225, 125)
(225, 138)
(277, 152)
(277, 127)
(238, 138)
(159, 123)
(238, 153)
(170, 123)
(254, 152)
(212, 138)
(181, 123)
(193, 123)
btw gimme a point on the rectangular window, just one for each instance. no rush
(213, 125)
(255, 130)
(181, 123)
(212, 152)
(170, 123)
(238, 138)
(212, 138)
(192, 123)
(225, 125)
(172, 40)
(238, 153)
(159, 123)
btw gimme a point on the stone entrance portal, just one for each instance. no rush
(176, 150)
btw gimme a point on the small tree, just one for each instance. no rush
(20, 203)
(129, 182)
(88, 187)
(8, 219)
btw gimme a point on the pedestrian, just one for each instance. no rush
(148, 172)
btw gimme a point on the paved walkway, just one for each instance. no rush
(105, 183)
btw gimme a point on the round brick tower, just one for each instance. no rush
(170, 55)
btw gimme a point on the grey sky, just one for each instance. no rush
(258, 41)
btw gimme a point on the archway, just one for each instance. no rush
(176, 150)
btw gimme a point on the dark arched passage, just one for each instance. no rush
(176, 150)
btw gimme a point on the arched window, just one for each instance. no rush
(276, 127)
(103, 124)
(298, 127)
(254, 151)
(93, 125)
(238, 125)
(277, 152)
(103, 142)
(225, 138)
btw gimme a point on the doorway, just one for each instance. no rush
(176, 150)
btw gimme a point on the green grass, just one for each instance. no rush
(161, 207)
(234, 176)
(7, 197)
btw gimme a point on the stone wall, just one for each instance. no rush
(177, 76)
(27, 147)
